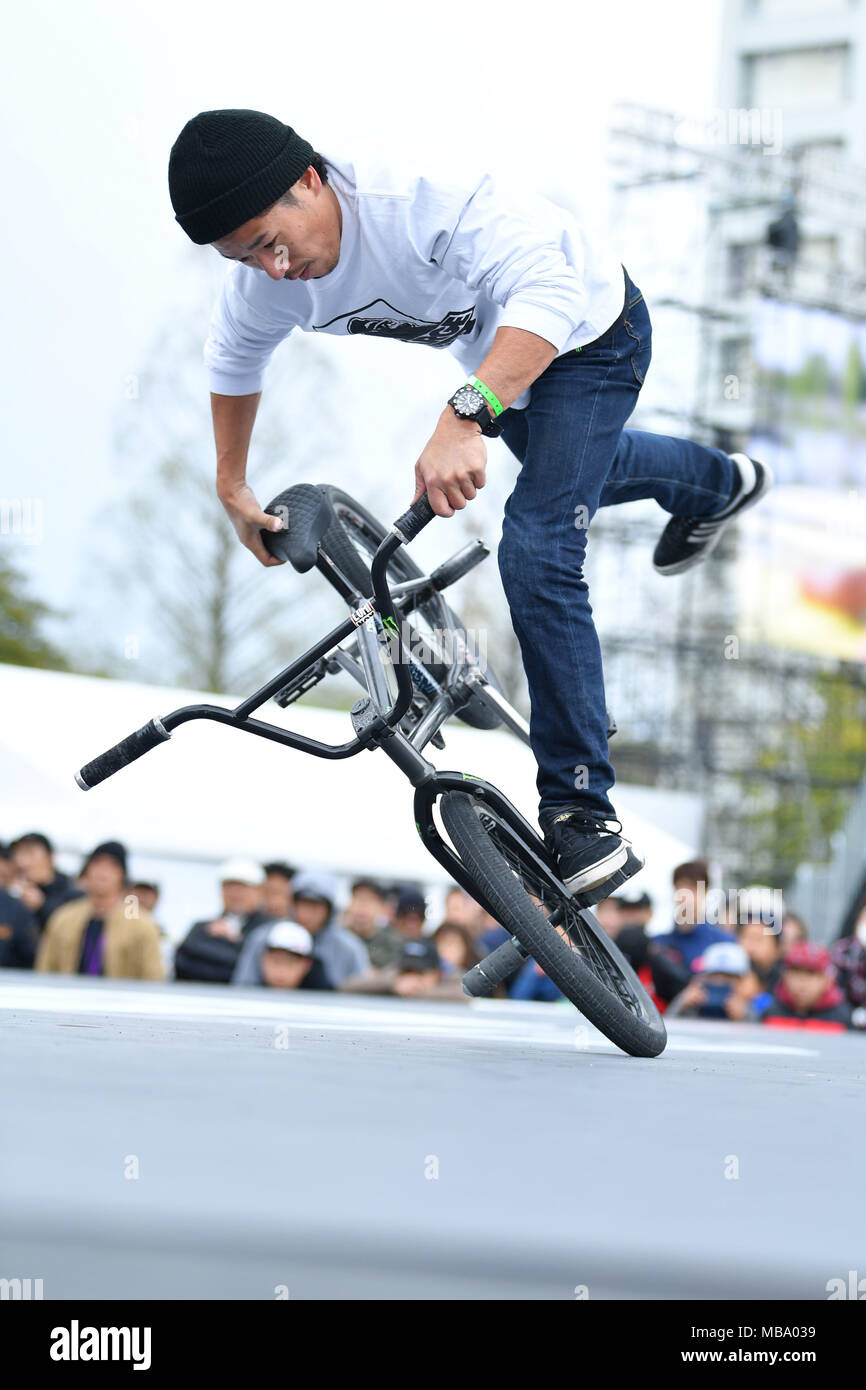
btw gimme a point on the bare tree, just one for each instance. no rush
(223, 621)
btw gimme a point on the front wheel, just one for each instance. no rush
(577, 955)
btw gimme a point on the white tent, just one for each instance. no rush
(213, 791)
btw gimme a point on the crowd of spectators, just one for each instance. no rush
(739, 957)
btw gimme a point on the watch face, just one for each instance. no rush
(467, 401)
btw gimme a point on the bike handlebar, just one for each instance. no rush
(415, 519)
(132, 747)
(150, 735)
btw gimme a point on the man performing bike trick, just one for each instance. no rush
(557, 342)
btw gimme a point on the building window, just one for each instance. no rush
(798, 78)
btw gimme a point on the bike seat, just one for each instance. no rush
(306, 514)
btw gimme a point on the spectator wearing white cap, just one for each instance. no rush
(723, 987)
(280, 955)
(314, 907)
(211, 948)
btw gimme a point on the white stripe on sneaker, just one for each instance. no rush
(748, 479)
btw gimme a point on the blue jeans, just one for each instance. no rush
(576, 457)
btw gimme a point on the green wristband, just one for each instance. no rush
(495, 404)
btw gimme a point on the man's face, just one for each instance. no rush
(409, 924)
(760, 944)
(284, 969)
(311, 913)
(277, 897)
(103, 877)
(365, 910)
(240, 899)
(33, 862)
(300, 242)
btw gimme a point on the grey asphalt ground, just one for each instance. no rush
(333, 1147)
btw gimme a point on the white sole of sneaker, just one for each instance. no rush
(766, 483)
(597, 873)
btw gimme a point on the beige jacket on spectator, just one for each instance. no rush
(131, 943)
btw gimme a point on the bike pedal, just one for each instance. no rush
(590, 896)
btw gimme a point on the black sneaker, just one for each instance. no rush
(686, 540)
(586, 851)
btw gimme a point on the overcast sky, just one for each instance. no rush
(94, 266)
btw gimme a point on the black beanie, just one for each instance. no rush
(227, 167)
(110, 849)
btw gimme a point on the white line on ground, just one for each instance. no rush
(545, 1026)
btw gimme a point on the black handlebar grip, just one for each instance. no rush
(461, 563)
(137, 744)
(413, 521)
(485, 977)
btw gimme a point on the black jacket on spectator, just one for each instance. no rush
(633, 941)
(670, 973)
(201, 956)
(19, 935)
(60, 890)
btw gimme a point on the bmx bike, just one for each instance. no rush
(412, 657)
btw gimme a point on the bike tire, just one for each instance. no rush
(353, 525)
(636, 1028)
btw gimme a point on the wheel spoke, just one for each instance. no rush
(572, 928)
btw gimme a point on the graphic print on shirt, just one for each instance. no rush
(405, 326)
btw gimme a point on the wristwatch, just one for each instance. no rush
(469, 404)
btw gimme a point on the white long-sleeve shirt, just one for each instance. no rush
(426, 261)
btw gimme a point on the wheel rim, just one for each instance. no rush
(572, 929)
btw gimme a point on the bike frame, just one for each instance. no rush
(375, 717)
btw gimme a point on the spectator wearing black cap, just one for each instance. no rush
(386, 946)
(281, 955)
(39, 884)
(415, 974)
(106, 932)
